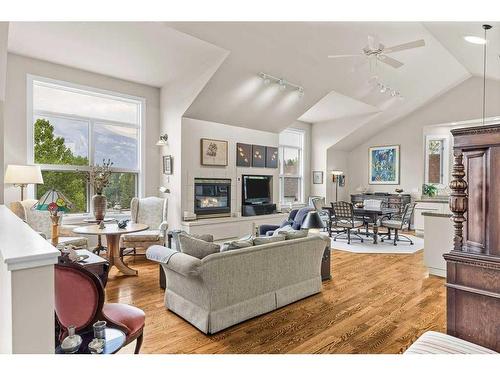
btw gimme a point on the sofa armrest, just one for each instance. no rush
(264, 228)
(181, 263)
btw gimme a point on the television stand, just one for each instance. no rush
(258, 209)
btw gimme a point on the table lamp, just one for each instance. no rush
(22, 175)
(54, 202)
(313, 221)
(335, 178)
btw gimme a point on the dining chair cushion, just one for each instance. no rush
(395, 224)
(129, 316)
(349, 224)
(195, 247)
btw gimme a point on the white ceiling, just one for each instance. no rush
(334, 106)
(143, 52)
(451, 35)
(297, 51)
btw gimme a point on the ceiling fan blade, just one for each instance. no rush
(390, 61)
(409, 45)
(342, 56)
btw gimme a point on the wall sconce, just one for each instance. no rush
(336, 179)
(163, 141)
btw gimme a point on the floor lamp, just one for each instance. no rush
(335, 179)
(22, 175)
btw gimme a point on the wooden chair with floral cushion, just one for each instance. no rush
(151, 211)
(40, 222)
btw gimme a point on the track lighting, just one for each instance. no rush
(281, 82)
(385, 89)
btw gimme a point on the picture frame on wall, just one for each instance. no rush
(167, 164)
(258, 156)
(271, 157)
(317, 177)
(213, 152)
(243, 155)
(383, 165)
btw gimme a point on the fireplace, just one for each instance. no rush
(212, 197)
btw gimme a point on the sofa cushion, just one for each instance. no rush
(246, 241)
(282, 230)
(196, 247)
(300, 217)
(127, 315)
(204, 237)
(290, 233)
(265, 240)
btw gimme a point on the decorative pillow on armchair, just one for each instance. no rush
(196, 247)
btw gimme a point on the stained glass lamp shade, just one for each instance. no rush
(53, 201)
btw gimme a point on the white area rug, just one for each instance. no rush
(386, 247)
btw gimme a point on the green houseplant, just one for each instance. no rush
(429, 190)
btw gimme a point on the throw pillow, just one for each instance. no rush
(293, 234)
(237, 244)
(204, 237)
(269, 239)
(286, 228)
(195, 247)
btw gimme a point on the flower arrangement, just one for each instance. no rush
(98, 176)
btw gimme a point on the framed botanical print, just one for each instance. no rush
(243, 155)
(383, 165)
(167, 164)
(258, 156)
(213, 152)
(317, 177)
(271, 157)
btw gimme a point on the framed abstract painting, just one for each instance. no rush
(213, 152)
(383, 165)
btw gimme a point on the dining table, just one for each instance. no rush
(373, 215)
(113, 233)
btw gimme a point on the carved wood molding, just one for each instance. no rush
(474, 260)
(476, 130)
(458, 199)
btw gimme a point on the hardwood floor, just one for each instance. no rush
(375, 303)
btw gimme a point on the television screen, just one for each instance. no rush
(257, 188)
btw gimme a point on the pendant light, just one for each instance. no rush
(485, 28)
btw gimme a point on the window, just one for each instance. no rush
(291, 151)
(72, 128)
(436, 160)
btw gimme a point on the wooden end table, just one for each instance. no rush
(113, 233)
(97, 250)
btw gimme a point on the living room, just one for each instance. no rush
(272, 187)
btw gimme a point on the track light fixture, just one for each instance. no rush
(384, 89)
(282, 83)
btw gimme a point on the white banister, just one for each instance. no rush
(26, 288)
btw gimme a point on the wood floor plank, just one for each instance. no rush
(375, 303)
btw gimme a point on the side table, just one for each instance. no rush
(94, 263)
(97, 250)
(115, 339)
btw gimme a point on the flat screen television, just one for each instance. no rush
(256, 189)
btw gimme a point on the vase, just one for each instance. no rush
(99, 205)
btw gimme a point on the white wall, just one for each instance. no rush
(4, 32)
(193, 130)
(15, 151)
(464, 102)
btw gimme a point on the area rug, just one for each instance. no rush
(386, 247)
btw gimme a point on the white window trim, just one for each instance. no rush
(445, 155)
(300, 176)
(105, 93)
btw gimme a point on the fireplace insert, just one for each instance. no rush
(212, 197)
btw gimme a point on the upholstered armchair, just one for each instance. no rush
(151, 211)
(40, 222)
(295, 220)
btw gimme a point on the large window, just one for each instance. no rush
(291, 166)
(72, 128)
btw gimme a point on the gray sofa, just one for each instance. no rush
(229, 287)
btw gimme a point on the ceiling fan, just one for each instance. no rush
(379, 51)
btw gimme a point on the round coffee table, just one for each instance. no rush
(114, 342)
(113, 233)
(97, 250)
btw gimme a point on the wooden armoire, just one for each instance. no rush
(473, 266)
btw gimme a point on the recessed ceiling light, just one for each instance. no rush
(475, 39)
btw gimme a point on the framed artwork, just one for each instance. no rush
(341, 180)
(167, 164)
(243, 155)
(271, 157)
(317, 177)
(258, 156)
(213, 152)
(383, 165)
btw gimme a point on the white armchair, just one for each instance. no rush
(151, 211)
(40, 222)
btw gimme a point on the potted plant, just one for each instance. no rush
(429, 190)
(98, 177)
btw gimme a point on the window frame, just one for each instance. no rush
(141, 121)
(300, 175)
(445, 159)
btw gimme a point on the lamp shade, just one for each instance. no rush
(313, 221)
(337, 172)
(53, 201)
(23, 174)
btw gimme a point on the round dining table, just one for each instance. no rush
(113, 233)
